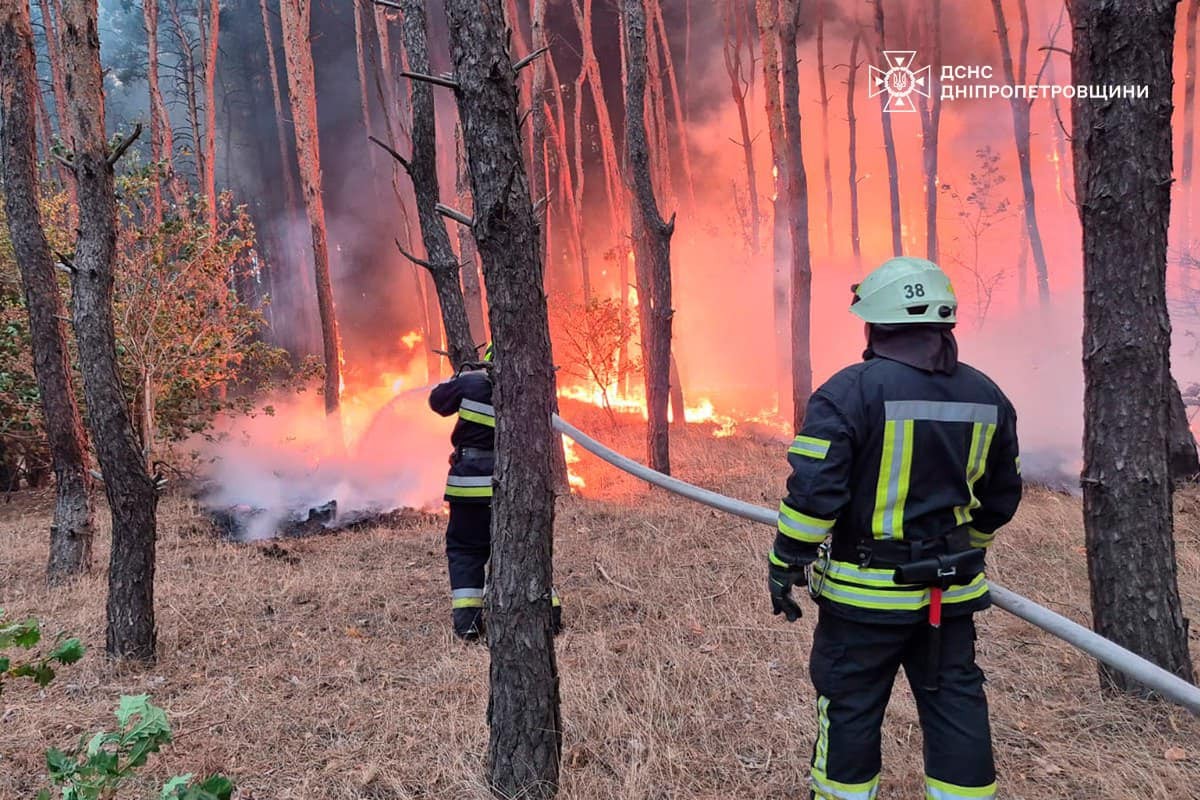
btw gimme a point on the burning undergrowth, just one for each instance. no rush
(291, 470)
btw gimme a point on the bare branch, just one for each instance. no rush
(525, 116)
(437, 80)
(125, 144)
(529, 59)
(392, 152)
(454, 214)
(420, 262)
(65, 162)
(1055, 49)
(65, 263)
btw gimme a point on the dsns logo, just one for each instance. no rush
(899, 81)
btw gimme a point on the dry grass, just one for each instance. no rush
(336, 676)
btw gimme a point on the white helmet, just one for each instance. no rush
(905, 291)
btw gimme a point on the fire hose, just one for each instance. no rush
(1150, 675)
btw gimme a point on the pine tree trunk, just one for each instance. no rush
(889, 141)
(1189, 133)
(188, 88)
(468, 252)
(537, 110)
(210, 112)
(651, 244)
(526, 732)
(677, 100)
(735, 39)
(569, 194)
(1122, 150)
(130, 490)
(295, 17)
(439, 255)
(72, 528)
(767, 13)
(852, 140)
(360, 59)
(51, 21)
(931, 122)
(797, 187)
(824, 99)
(1020, 114)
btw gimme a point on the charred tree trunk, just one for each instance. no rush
(72, 528)
(685, 156)
(797, 187)
(1020, 114)
(931, 123)
(651, 244)
(739, 86)
(852, 127)
(767, 14)
(825, 127)
(1185, 461)
(570, 195)
(360, 59)
(295, 17)
(210, 113)
(1189, 135)
(188, 67)
(1122, 150)
(440, 259)
(526, 730)
(468, 252)
(537, 109)
(889, 141)
(130, 490)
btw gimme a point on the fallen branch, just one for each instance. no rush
(392, 152)
(610, 579)
(454, 214)
(436, 80)
(125, 144)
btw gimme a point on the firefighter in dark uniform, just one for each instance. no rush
(469, 492)
(906, 467)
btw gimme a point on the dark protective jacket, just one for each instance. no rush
(894, 453)
(468, 395)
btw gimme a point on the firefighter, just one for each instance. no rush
(905, 468)
(469, 492)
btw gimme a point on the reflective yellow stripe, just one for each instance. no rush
(981, 539)
(821, 751)
(827, 789)
(940, 790)
(981, 443)
(466, 598)
(481, 419)
(810, 446)
(849, 584)
(891, 491)
(469, 486)
(802, 527)
(776, 560)
(1017, 463)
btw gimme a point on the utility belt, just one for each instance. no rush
(470, 454)
(938, 564)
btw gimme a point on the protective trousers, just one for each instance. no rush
(853, 667)
(468, 546)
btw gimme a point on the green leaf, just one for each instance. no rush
(58, 762)
(44, 794)
(4, 663)
(218, 786)
(23, 634)
(131, 705)
(68, 651)
(171, 788)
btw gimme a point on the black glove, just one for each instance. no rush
(780, 580)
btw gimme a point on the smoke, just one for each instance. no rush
(293, 459)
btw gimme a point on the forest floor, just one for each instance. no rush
(330, 672)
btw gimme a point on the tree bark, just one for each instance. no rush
(210, 113)
(651, 244)
(889, 141)
(1122, 151)
(1020, 113)
(468, 252)
(570, 195)
(767, 13)
(189, 89)
(295, 17)
(739, 87)
(852, 139)
(526, 731)
(72, 528)
(51, 21)
(1189, 132)
(439, 255)
(931, 122)
(360, 45)
(677, 101)
(537, 110)
(824, 99)
(130, 490)
(797, 187)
